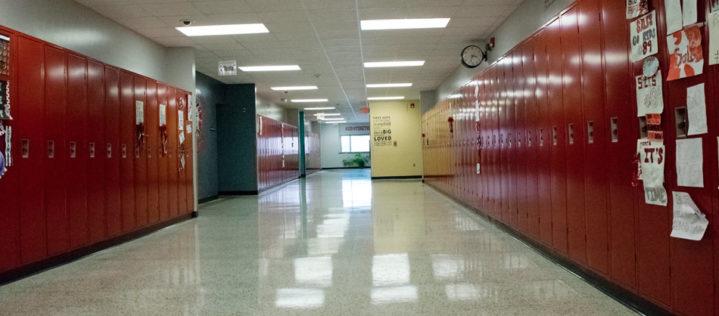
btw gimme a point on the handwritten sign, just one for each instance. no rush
(649, 94)
(636, 8)
(644, 37)
(652, 156)
(686, 58)
(688, 222)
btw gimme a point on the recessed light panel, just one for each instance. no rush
(398, 63)
(270, 68)
(328, 114)
(404, 24)
(320, 108)
(389, 85)
(385, 98)
(230, 29)
(309, 100)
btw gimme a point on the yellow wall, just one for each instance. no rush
(403, 158)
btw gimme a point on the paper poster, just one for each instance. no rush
(690, 163)
(644, 37)
(181, 120)
(689, 8)
(649, 95)
(181, 138)
(689, 222)
(686, 58)
(227, 68)
(673, 9)
(651, 162)
(696, 110)
(139, 112)
(163, 115)
(713, 25)
(714, 5)
(636, 8)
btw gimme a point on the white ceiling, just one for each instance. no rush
(323, 37)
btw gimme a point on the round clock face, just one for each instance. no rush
(472, 56)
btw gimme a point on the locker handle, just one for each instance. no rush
(91, 149)
(25, 148)
(51, 149)
(590, 132)
(614, 126)
(73, 150)
(570, 132)
(643, 128)
(124, 151)
(681, 122)
(555, 137)
(108, 150)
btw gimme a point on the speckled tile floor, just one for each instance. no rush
(333, 244)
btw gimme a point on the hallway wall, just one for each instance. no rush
(548, 163)
(399, 154)
(210, 93)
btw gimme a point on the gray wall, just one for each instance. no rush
(71, 25)
(330, 146)
(525, 20)
(237, 140)
(209, 94)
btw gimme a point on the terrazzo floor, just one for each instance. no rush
(335, 243)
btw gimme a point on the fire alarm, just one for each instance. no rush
(491, 43)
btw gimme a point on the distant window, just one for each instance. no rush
(355, 143)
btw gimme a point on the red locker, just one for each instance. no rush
(557, 138)
(544, 126)
(95, 135)
(115, 191)
(510, 142)
(163, 156)
(596, 138)
(127, 142)
(31, 138)
(622, 145)
(503, 125)
(182, 152)
(189, 169)
(531, 139)
(139, 152)
(152, 127)
(574, 139)
(76, 148)
(520, 139)
(173, 149)
(9, 184)
(55, 155)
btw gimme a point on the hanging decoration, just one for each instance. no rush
(5, 110)
(643, 37)
(181, 131)
(686, 58)
(636, 8)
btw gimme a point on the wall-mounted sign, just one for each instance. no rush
(636, 8)
(382, 130)
(686, 58)
(227, 68)
(644, 37)
(354, 129)
(649, 95)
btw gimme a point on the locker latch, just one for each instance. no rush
(73, 150)
(25, 148)
(614, 126)
(590, 132)
(91, 149)
(529, 139)
(681, 121)
(643, 128)
(555, 136)
(108, 150)
(541, 137)
(570, 133)
(51, 149)
(124, 151)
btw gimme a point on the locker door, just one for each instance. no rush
(139, 153)
(190, 158)
(55, 153)
(574, 137)
(9, 184)
(115, 191)
(182, 170)
(95, 135)
(532, 144)
(172, 148)
(595, 139)
(76, 149)
(521, 141)
(163, 157)
(127, 142)
(557, 139)
(152, 123)
(503, 116)
(544, 142)
(513, 69)
(691, 264)
(617, 77)
(31, 64)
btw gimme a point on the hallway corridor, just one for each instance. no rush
(335, 243)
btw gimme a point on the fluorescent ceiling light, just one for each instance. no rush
(387, 64)
(384, 98)
(328, 114)
(230, 29)
(404, 24)
(309, 100)
(389, 85)
(294, 88)
(270, 68)
(320, 108)
(333, 119)
(335, 122)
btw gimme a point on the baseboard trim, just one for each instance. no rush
(208, 199)
(62, 259)
(239, 193)
(397, 178)
(629, 299)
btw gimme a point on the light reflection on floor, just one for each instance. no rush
(336, 243)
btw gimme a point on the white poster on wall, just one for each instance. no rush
(649, 94)
(636, 8)
(696, 110)
(673, 9)
(643, 37)
(689, 222)
(163, 115)
(689, 14)
(690, 163)
(713, 25)
(652, 156)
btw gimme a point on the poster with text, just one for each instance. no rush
(690, 163)
(651, 162)
(688, 221)
(649, 94)
(636, 8)
(685, 53)
(382, 130)
(713, 25)
(644, 37)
